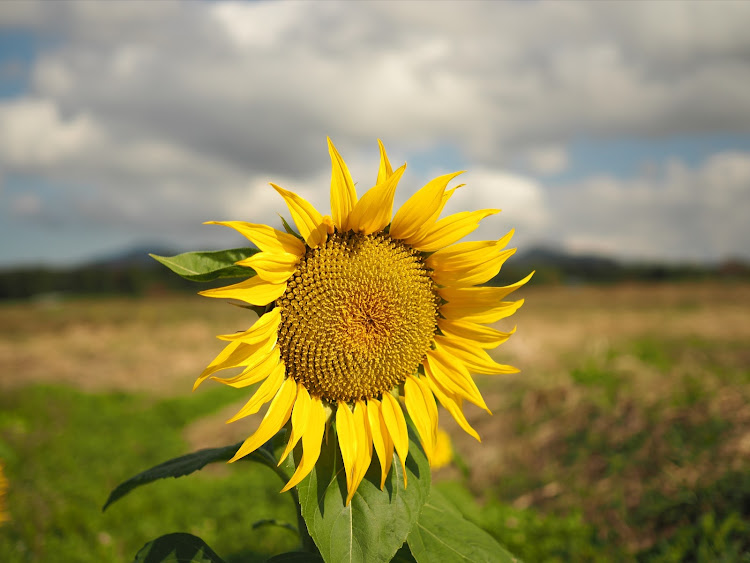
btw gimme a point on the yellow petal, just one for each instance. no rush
(311, 443)
(275, 418)
(343, 193)
(420, 208)
(347, 441)
(421, 406)
(396, 425)
(266, 238)
(373, 211)
(469, 263)
(480, 296)
(264, 393)
(310, 223)
(300, 420)
(474, 274)
(482, 336)
(430, 223)
(237, 354)
(255, 291)
(464, 254)
(476, 359)
(450, 229)
(443, 449)
(451, 403)
(253, 373)
(454, 376)
(364, 447)
(381, 440)
(480, 314)
(263, 328)
(385, 170)
(272, 267)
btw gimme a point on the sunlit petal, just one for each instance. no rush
(273, 267)
(309, 221)
(255, 291)
(396, 425)
(420, 209)
(343, 193)
(266, 238)
(373, 211)
(276, 417)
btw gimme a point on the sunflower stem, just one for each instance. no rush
(266, 452)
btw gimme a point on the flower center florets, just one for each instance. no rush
(358, 316)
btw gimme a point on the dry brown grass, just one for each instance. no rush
(154, 346)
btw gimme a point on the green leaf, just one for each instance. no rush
(176, 467)
(296, 557)
(289, 229)
(180, 548)
(442, 534)
(375, 524)
(208, 266)
(265, 522)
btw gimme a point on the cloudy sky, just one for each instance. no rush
(613, 128)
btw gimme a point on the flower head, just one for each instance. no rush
(366, 315)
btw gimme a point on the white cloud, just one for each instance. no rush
(154, 116)
(494, 78)
(34, 135)
(547, 159)
(521, 199)
(679, 212)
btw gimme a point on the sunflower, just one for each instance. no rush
(365, 314)
(443, 452)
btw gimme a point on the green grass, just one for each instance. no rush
(65, 451)
(529, 534)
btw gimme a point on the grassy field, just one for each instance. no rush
(626, 435)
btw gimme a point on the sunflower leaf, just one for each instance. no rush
(209, 265)
(187, 464)
(177, 547)
(270, 522)
(442, 534)
(296, 557)
(375, 524)
(177, 467)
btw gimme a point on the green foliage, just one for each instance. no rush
(376, 523)
(710, 522)
(529, 534)
(177, 467)
(209, 266)
(442, 535)
(722, 541)
(296, 557)
(178, 548)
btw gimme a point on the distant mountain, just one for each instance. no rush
(554, 265)
(547, 256)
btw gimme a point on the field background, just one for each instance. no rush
(626, 435)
